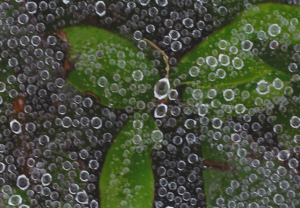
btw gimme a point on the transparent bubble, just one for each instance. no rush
(144, 2)
(31, 7)
(235, 137)
(100, 8)
(224, 60)
(194, 71)
(15, 200)
(278, 84)
(237, 63)
(228, 94)
(82, 197)
(15, 126)
(162, 88)
(2, 87)
(176, 46)
(23, 182)
(96, 122)
(211, 61)
(2, 167)
(263, 87)
(274, 30)
(102, 82)
(46, 179)
(295, 122)
(278, 199)
(157, 136)
(223, 45)
(160, 111)
(247, 45)
(138, 75)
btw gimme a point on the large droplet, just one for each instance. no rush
(100, 8)
(15, 126)
(22, 182)
(162, 88)
(160, 111)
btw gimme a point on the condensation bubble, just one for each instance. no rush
(96, 122)
(137, 139)
(157, 136)
(23, 18)
(217, 123)
(261, 35)
(161, 3)
(293, 67)
(190, 123)
(274, 30)
(278, 84)
(173, 94)
(224, 60)
(248, 29)
(263, 87)
(46, 179)
(23, 182)
(228, 95)
(2, 87)
(31, 7)
(162, 88)
(223, 44)
(15, 200)
(237, 63)
(235, 137)
(144, 2)
(197, 94)
(278, 199)
(176, 46)
(188, 22)
(66, 1)
(137, 35)
(202, 110)
(15, 126)
(295, 122)
(192, 158)
(82, 197)
(160, 111)
(211, 61)
(2, 167)
(102, 82)
(138, 75)
(247, 45)
(175, 35)
(221, 73)
(194, 71)
(100, 8)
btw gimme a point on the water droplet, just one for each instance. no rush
(15, 200)
(31, 7)
(100, 8)
(263, 87)
(157, 136)
(295, 122)
(162, 88)
(160, 111)
(274, 30)
(15, 126)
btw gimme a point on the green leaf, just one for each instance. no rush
(227, 67)
(112, 68)
(126, 179)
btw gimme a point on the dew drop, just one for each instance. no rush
(162, 88)
(15, 126)
(100, 8)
